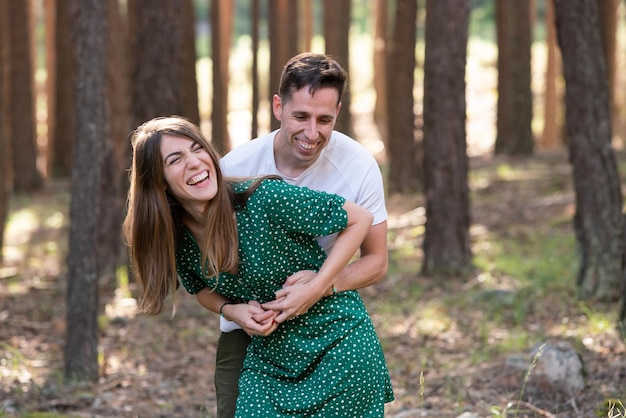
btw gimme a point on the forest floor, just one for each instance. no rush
(448, 342)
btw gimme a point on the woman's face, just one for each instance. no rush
(189, 171)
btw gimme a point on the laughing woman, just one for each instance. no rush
(238, 240)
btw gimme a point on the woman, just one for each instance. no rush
(241, 239)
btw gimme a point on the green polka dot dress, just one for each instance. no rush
(325, 363)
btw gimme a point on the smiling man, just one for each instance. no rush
(306, 151)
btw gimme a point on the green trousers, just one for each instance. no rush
(231, 351)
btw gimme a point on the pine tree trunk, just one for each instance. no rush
(514, 130)
(89, 19)
(552, 135)
(21, 99)
(4, 161)
(446, 240)
(283, 24)
(380, 68)
(221, 24)
(62, 126)
(160, 60)
(336, 38)
(598, 219)
(404, 159)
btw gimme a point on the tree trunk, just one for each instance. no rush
(446, 240)
(380, 68)
(404, 159)
(307, 16)
(21, 99)
(160, 60)
(598, 219)
(4, 161)
(255, 16)
(283, 24)
(607, 21)
(221, 29)
(61, 125)
(336, 40)
(89, 20)
(119, 124)
(552, 135)
(514, 130)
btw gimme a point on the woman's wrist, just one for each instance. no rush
(221, 312)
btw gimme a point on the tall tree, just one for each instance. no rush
(221, 29)
(598, 219)
(21, 97)
(4, 162)
(403, 152)
(380, 67)
(553, 111)
(514, 130)
(89, 32)
(254, 28)
(117, 155)
(161, 56)
(283, 25)
(446, 240)
(336, 40)
(61, 121)
(607, 21)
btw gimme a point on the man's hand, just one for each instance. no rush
(297, 296)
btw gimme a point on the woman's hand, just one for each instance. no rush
(252, 317)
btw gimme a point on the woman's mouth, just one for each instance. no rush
(197, 179)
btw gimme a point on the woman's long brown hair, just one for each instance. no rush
(153, 222)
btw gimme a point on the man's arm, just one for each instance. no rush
(368, 269)
(371, 266)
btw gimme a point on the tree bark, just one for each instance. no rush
(221, 24)
(119, 124)
(514, 129)
(380, 68)
(255, 16)
(552, 135)
(89, 30)
(336, 40)
(404, 159)
(607, 21)
(61, 123)
(283, 24)
(4, 161)
(21, 99)
(446, 241)
(160, 53)
(598, 219)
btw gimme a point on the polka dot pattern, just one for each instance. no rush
(325, 363)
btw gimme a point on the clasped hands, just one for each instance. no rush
(296, 297)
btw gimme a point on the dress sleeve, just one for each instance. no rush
(188, 266)
(302, 210)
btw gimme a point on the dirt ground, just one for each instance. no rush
(163, 367)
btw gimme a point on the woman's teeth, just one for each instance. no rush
(197, 179)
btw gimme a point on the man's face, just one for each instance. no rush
(306, 122)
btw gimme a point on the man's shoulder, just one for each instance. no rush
(342, 148)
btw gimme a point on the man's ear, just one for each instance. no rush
(277, 107)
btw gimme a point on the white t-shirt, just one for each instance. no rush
(344, 167)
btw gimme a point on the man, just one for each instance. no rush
(306, 151)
